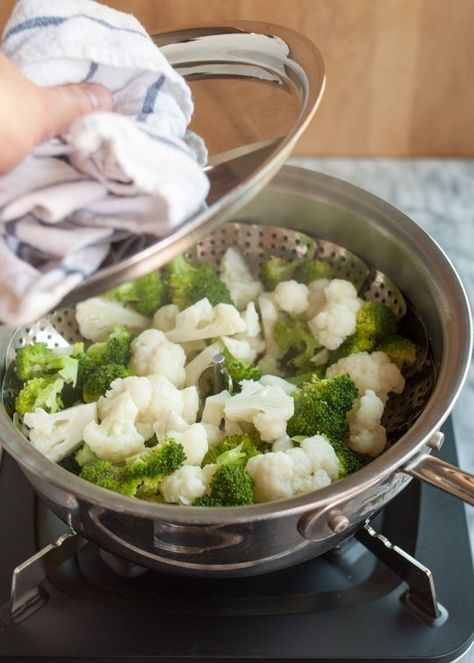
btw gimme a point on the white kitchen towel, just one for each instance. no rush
(114, 177)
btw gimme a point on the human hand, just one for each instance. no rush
(30, 114)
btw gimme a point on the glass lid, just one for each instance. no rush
(255, 86)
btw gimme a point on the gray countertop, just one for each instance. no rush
(438, 194)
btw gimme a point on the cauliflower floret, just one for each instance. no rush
(236, 275)
(291, 297)
(186, 484)
(166, 402)
(165, 317)
(372, 371)
(252, 334)
(322, 455)
(269, 365)
(58, 435)
(269, 380)
(190, 399)
(138, 388)
(267, 408)
(203, 323)
(213, 412)
(321, 358)
(283, 443)
(154, 354)
(333, 325)
(269, 315)
(283, 474)
(97, 316)
(333, 305)
(116, 437)
(214, 434)
(200, 363)
(194, 441)
(366, 434)
(316, 297)
(241, 350)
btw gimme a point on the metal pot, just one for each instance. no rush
(264, 537)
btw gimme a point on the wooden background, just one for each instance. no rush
(400, 73)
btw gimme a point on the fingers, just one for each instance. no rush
(64, 104)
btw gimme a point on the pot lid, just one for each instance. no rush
(255, 86)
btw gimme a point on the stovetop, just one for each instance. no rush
(344, 606)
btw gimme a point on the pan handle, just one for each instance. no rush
(442, 475)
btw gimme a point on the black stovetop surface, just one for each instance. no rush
(344, 606)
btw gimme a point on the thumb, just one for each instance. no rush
(64, 104)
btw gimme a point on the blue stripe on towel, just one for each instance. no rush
(46, 21)
(150, 99)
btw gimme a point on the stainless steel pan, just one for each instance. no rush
(264, 537)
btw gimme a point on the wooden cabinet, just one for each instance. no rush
(400, 73)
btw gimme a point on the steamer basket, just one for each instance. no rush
(354, 231)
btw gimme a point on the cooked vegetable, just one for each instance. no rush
(275, 269)
(98, 381)
(188, 284)
(146, 294)
(115, 350)
(240, 370)
(399, 350)
(245, 445)
(42, 393)
(37, 360)
(297, 344)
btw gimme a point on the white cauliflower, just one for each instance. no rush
(269, 314)
(283, 443)
(213, 412)
(154, 354)
(190, 400)
(194, 441)
(200, 363)
(165, 317)
(97, 316)
(116, 437)
(169, 403)
(269, 365)
(268, 408)
(201, 321)
(283, 474)
(291, 297)
(316, 297)
(372, 371)
(58, 435)
(241, 350)
(335, 320)
(269, 380)
(214, 433)
(253, 333)
(139, 389)
(236, 275)
(187, 484)
(322, 455)
(366, 434)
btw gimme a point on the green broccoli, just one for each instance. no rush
(232, 448)
(72, 394)
(354, 343)
(399, 350)
(188, 284)
(85, 455)
(312, 270)
(37, 360)
(99, 380)
(318, 372)
(146, 294)
(207, 500)
(348, 461)
(231, 485)
(156, 462)
(240, 370)
(106, 475)
(297, 344)
(375, 321)
(44, 392)
(276, 269)
(115, 350)
(321, 407)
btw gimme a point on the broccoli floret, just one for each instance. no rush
(232, 485)
(276, 269)
(207, 500)
(348, 461)
(399, 350)
(240, 370)
(146, 294)
(317, 372)
(311, 270)
(354, 343)
(106, 475)
(244, 447)
(321, 407)
(37, 360)
(156, 462)
(98, 381)
(115, 350)
(44, 392)
(72, 394)
(188, 284)
(85, 455)
(297, 344)
(375, 321)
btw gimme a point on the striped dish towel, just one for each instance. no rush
(115, 177)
